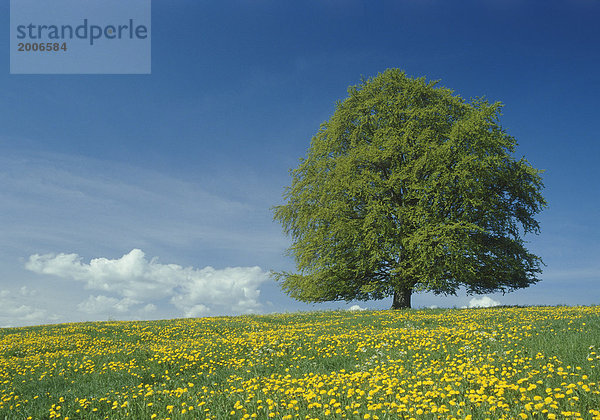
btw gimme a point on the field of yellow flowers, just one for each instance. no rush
(529, 363)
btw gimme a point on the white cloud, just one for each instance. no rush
(483, 302)
(196, 311)
(356, 308)
(13, 307)
(25, 291)
(54, 202)
(135, 281)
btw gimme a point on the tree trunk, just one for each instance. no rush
(402, 298)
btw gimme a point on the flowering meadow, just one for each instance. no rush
(496, 363)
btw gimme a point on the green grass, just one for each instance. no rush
(538, 362)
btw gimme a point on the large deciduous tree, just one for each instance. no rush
(410, 188)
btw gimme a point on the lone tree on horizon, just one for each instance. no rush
(409, 188)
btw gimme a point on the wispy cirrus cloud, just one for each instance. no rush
(52, 201)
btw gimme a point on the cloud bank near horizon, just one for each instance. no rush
(132, 285)
(483, 302)
(16, 306)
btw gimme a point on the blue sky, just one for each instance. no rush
(148, 196)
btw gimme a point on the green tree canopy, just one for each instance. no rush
(410, 188)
